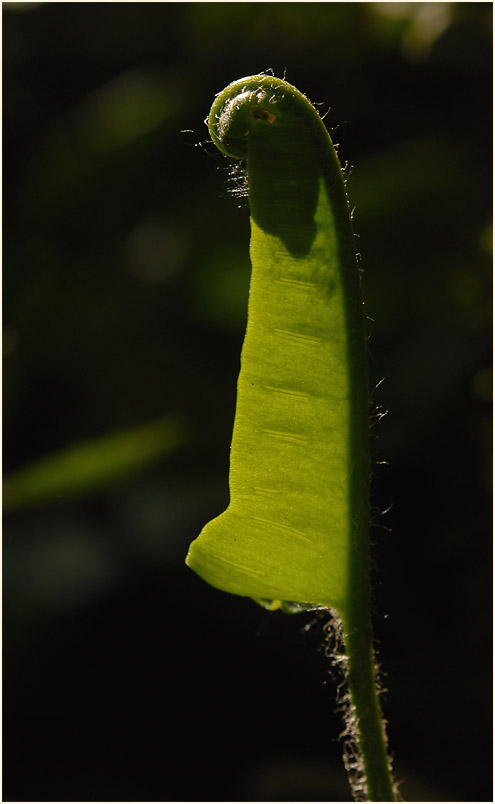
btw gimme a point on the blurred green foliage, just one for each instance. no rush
(92, 465)
(125, 282)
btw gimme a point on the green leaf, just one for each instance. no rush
(295, 533)
(299, 457)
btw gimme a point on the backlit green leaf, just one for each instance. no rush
(299, 459)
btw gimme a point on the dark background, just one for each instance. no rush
(125, 279)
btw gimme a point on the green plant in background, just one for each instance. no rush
(88, 466)
(296, 532)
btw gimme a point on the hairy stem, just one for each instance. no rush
(366, 722)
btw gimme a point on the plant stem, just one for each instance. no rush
(366, 717)
(365, 710)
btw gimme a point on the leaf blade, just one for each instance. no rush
(285, 534)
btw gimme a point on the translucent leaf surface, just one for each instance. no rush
(298, 470)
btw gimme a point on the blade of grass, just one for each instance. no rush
(88, 466)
